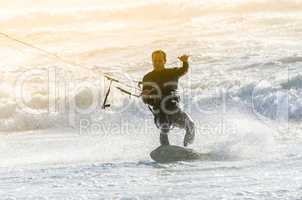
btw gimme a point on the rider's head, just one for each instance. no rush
(159, 59)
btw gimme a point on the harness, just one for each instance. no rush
(161, 119)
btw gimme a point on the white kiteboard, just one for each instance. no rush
(172, 153)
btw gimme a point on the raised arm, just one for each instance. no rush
(185, 66)
(183, 70)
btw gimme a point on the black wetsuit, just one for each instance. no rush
(163, 101)
(164, 84)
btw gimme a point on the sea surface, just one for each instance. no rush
(243, 90)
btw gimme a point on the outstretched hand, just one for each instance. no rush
(183, 58)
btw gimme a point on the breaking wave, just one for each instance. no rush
(275, 101)
(279, 101)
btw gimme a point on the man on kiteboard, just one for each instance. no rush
(160, 94)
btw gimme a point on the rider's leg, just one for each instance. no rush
(163, 124)
(183, 120)
(163, 138)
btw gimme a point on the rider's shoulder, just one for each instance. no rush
(148, 75)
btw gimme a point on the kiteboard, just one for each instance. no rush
(172, 153)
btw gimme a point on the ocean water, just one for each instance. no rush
(243, 90)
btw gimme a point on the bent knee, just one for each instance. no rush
(190, 124)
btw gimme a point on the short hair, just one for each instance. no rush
(160, 52)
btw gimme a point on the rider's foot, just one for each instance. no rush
(164, 140)
(189, 139)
